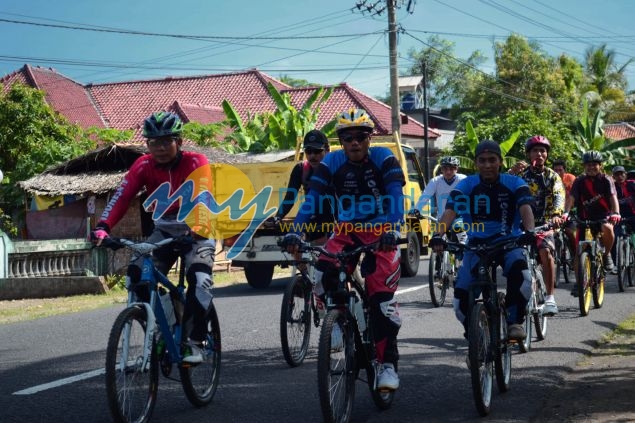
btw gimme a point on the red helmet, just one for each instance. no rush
(535, 141)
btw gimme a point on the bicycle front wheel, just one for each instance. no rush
(584, 282)
(295, 320)
(540, 318)
(566, 262)
(557, 258)
(132, 375)
(599, 279)
(437, 279)
(631, 264)
(336, 367)
(622, 269)
(480, 356)
(200, 381)
(503, 351)
(529, 323)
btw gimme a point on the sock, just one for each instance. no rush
(550, 298)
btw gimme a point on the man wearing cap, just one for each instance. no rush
(492, 205)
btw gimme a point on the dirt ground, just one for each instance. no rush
(601, 388)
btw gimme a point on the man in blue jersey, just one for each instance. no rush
(492, 205)
(368, 183)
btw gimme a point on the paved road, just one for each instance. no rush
(256, 384)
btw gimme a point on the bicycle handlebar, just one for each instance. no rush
(341, 255)
(144, 247)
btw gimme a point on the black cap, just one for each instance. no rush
(315, 139)
(488, 146)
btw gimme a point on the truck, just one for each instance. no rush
(262, 253)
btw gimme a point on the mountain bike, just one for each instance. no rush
(346, 343)
(625, 254)
(591, 275)
(442, 269)
(489, 349)
(147, 336)
(298, 304)
(534, 316)
(563, 257)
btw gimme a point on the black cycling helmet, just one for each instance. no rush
(162, 124)
(449, 161)
(537, 140)
(592, 156)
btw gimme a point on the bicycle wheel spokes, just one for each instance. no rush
(437, 279)
(200, 381)
(295, 321)
(584, 282)
(336, 367)
(131, 376)
(481, 358)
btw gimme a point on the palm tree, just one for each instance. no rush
(606, 81)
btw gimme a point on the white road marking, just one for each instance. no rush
(56, 383)
(414, 288)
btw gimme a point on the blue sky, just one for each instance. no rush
(353, 47)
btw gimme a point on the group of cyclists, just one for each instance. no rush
(366, 182)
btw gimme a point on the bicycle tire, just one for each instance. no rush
(200, 381)
(503, 351)
(567, 262)
(620, 253)
(539, 318)
(584, 281)
(525, 346)
(631, 264)
(336, 367)
(557, 257)
(295, 320)
(131, 390)
(480, 358)
(597, 290)
(436, 281)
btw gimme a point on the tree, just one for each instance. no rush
(293, 82)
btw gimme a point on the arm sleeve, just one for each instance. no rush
(291, 193)
(427, 195)
(395, 216)
(120, 201)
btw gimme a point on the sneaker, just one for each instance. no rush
(516, 332)
(608, 264)
(551, 308)
(387, 377)
(337, 339)
(193, 353)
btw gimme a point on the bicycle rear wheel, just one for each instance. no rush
(200, 381)
(502, 351)
(295, 320)
(437, 279)
(131, 384)
(622, 269)
(566, 261)
(336, 367)
(480, 356)
(584, 281)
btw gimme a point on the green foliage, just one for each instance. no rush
(109, 135)
(293, 82)
(206, 135)
(7, 226)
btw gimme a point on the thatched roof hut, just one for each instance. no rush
(102, 170)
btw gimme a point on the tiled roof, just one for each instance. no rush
(124, 105)
(619, 131)
(63, 94)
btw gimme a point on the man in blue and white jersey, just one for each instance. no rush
(492, 206)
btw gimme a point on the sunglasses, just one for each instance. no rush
(313, 151)
(160, 142)
(360, 137)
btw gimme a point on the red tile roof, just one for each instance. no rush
(64, 95)
(619, 131)
(124, 105)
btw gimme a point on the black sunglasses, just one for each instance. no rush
(313, 151)
(360, 137)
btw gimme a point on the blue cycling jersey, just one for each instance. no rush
(490, 209)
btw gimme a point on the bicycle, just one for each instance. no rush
(148, 336)
(298, 304)
(346, 343)
(625, 254)
(489, 349)
(590, 272)
(534, 315)
(442, 270)
(563, 256)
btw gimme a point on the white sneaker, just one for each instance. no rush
(387, 377)
(550, 308)
(337, 339)
(195, 353)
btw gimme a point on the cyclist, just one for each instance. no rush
(560, 167)
(166, 162)
(439, 188)
(549, 197)
(492, 205)
(368, 182)
(625, 190)
(594, 197)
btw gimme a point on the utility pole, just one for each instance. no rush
(394, 75)
(426, 151)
